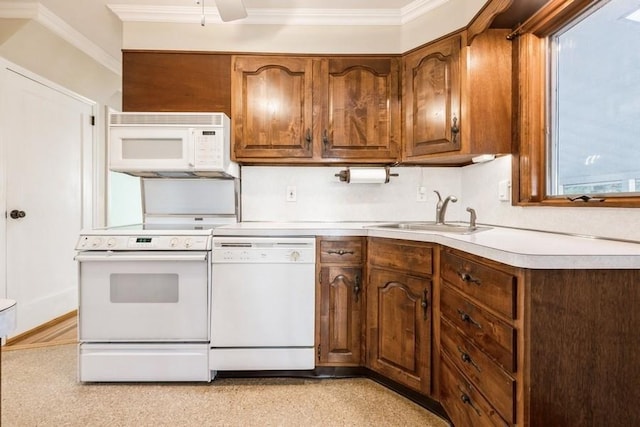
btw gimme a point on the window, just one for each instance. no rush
(578, 104)
(594, 110)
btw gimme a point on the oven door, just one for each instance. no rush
(143, 296)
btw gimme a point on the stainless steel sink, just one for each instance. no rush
(432, 226)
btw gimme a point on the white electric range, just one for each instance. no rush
(144, 290)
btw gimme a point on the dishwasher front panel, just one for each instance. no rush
(263, 305)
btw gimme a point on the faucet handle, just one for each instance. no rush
(438, 193)
(472, 218)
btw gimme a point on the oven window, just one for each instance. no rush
(143, 288)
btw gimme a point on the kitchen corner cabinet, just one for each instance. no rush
(399, 310)
(339, 301)
(314, 110)
(457, 99)
(536, 348)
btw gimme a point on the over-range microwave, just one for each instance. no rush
(172, 145)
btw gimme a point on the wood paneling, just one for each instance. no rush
(176, 81)
(583, 341)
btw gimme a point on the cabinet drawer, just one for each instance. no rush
(464, 404)
(489, 286)
(492, 335)
(341, 250)
(414, 257)
(492, 381)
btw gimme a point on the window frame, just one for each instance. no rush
(531, 72)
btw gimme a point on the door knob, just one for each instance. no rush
(16, 214)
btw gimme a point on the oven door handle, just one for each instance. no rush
(133, 256)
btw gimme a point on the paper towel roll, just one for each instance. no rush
(367, 175)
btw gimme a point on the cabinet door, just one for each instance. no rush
(399, 325)
(361, 108)
(432, 98)
(272, 107)
(340, 312)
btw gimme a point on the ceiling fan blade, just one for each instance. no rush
(230, 10)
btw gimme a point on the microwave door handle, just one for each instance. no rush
(191, 142)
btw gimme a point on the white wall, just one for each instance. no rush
(321, 197)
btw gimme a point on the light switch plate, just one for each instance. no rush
(504, 190)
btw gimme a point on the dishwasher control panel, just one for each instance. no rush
(263, 250)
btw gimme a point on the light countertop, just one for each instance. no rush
(518, 248)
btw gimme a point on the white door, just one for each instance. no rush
(47, 140)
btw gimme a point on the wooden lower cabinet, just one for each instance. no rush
(399, 310)
(340, 301)
(511, 346)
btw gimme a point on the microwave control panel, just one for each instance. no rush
(209, 148)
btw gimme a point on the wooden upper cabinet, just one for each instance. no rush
(304, 110)
(360, 109)
(432, 99)
(457, 99)
(272, 107)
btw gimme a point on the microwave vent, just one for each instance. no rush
(166, 119)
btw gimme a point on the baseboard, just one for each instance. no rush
(51, 323)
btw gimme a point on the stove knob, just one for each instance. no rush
(188, 243)
(174, 242)
(295, 256)
(111, 242)
(96, 242)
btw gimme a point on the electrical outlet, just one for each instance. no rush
(421, 194)
(292, 193)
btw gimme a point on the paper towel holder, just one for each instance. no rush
(345, 175)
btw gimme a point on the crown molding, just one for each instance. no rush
(323, 17)
(43, 16)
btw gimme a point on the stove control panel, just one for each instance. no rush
(145, 243)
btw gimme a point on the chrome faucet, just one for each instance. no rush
(441, 207)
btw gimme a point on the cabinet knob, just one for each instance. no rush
(307, 136)
(325, 139)
(468, 278)
(16, 214)
(466, 318)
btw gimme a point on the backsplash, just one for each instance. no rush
(320, 196)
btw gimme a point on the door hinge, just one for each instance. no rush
(318, 352)
(93, 120)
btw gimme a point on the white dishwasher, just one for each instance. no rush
(262, 303)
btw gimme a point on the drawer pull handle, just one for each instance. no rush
(466, 318)
(340, 252)
(464, 356)
(467, 401)
(467, 278)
